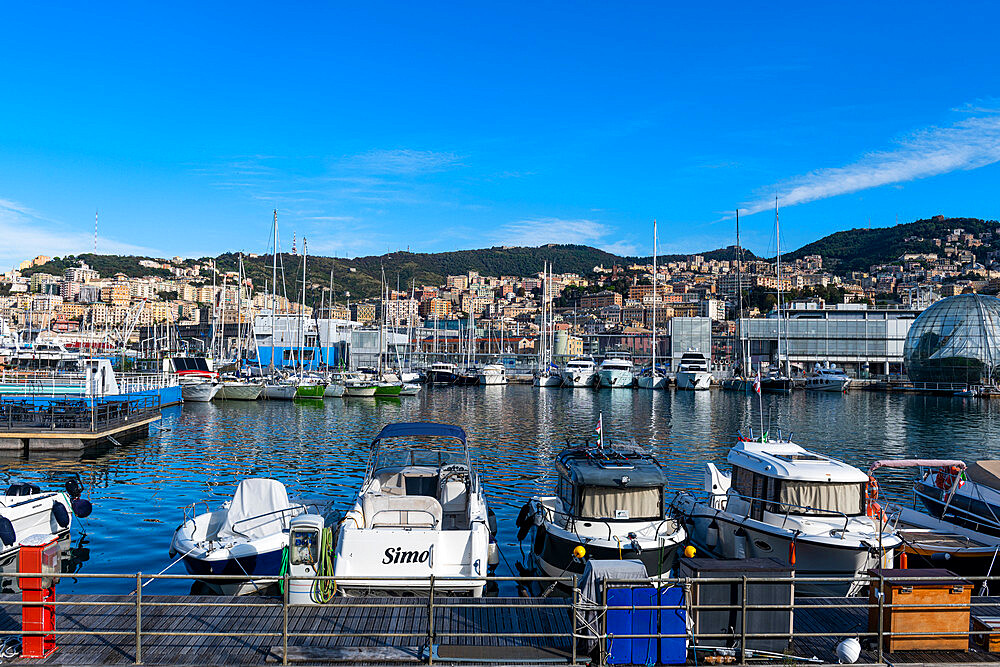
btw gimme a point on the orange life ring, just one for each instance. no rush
(872, 490)
(874, 511)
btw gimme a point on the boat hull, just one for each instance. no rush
(388, 389)
(616, 379)
(694, 380)
(653, 382)
(441, 377)
(828, 385)
(580, 380)
(202, 392)
(239, 392)
(278, 392)
(776, 385)
(310, 391)
(548, 381)
(366, 391)
(553, 554)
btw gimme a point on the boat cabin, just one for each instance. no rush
(416, 482)
(610, 484)
(783, 478)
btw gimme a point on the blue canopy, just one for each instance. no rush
(418, 429)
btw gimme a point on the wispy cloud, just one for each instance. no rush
(541, 231)
(27, 233)
(970, 143)
(402, 161)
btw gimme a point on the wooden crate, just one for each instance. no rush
(991, 626)
(914, 606)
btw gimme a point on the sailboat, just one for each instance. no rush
(777, 381)
(308, 386)
(655, 379)
(548, 374)
(740, 380)
(235, 388)
(276, 388)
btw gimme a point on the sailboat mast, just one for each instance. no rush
(777, 243)
(302, 311)
(654, 303)
(739, 296)
(274, 288)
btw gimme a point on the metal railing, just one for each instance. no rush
(74, 414)
(43, 383)
(586, 629)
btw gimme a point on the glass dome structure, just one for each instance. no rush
(955, 340)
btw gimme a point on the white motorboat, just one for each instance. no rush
(421, 511)
(828, 378)
(692, 371)
(781, 501)
(580, 372)
(26, 510)
(965, 496)
(334, 389)
(409, 389)
(243, 539)
(548, 377)
(199, 382)
(354, 385)
(492, 374)
(238, 390)
(282, 390)
(608, 500)
(615, 371)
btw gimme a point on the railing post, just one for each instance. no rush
(743, 622)
(284, 621)
(430, 623)
(881, 618)
(572, 636)
(138, 618)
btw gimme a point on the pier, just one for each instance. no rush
(74, 423)
(140, 628)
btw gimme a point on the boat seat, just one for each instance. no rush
(392, 511)
(455, 503)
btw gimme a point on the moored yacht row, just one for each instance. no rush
(422, 510)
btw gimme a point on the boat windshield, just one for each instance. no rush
(819, 498)
(428, 457)
(618, 504)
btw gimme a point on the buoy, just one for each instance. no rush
(579, 552)
(690, 551)
(791, 553)
(902, 561)
(848, 651)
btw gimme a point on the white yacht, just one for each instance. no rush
(280, 390)
(199, 383)
(608, 500)
(234, 389)
(782, 501)
(692, 371)
(442, 373)
(616, 371)
(354, 385)
(827, 378)
(421, 511)
(548, 377)
(492, 374)
(580, 372)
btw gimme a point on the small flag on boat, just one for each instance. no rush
(600, 424)
(756, 382)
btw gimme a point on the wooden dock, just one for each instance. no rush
(248, 631)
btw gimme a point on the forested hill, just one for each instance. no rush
(859, 249)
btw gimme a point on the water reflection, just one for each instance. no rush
(319, 449)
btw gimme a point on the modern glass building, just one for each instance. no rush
(956, 340)
(689, 333)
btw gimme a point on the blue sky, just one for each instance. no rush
(439, 126)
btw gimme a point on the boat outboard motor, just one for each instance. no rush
(305, 543)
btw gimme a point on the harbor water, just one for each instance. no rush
(200, 451)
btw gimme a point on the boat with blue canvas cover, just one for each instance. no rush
(244, 538)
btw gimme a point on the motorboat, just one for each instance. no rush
(782, 501)
(409, 389)
(334, 389)
(828, 378)
(26, 510)
(385, 383)
(967, 496)
(492, 374)
(468, 376)
(936, 542)
(580, 372)
(234, 389)
(652, 378)
(616, 371)
(354, 385)
(776, 382)
(199, 382)
(610, 501)
(548, 377)
(692, 371)
(243, 539)
(442, 373)
(421, 511)
(279, 390)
